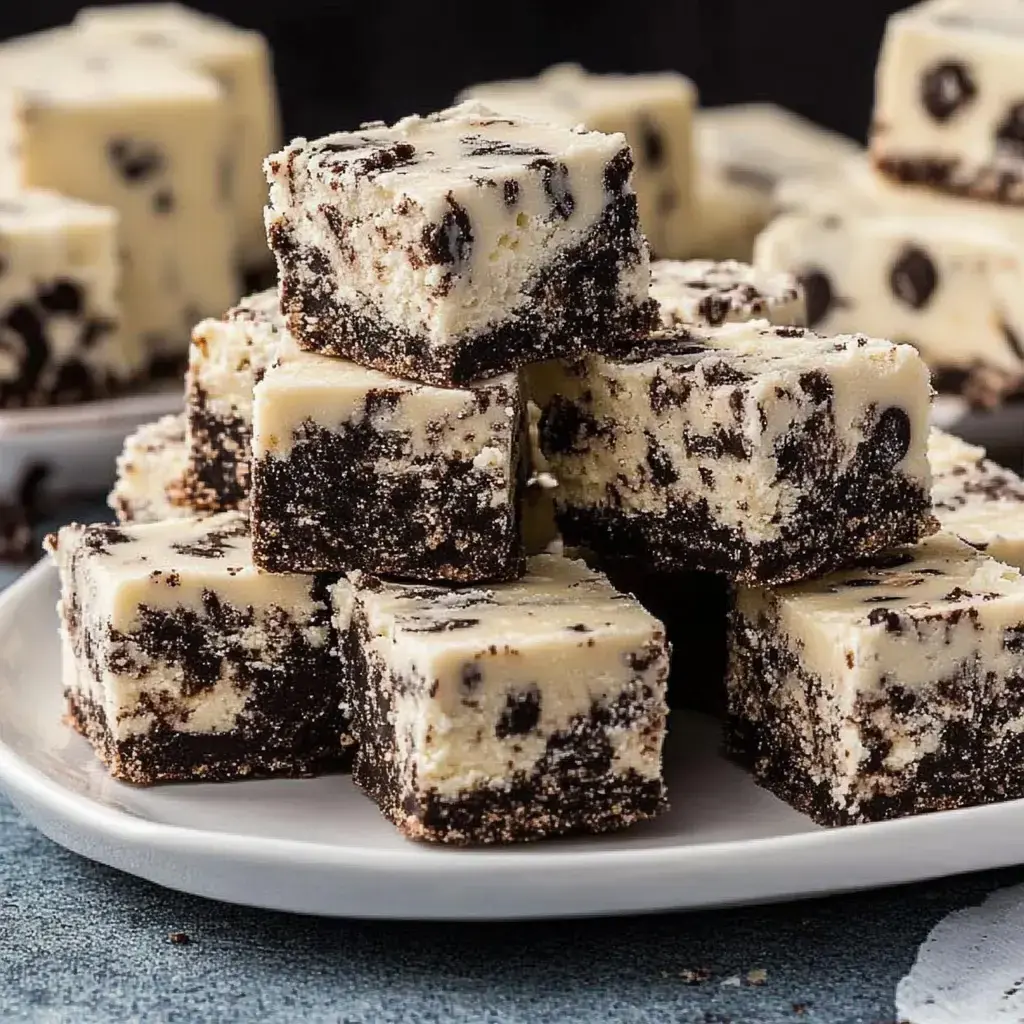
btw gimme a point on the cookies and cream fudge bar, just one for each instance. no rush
(932, 274)
(60, 331)
(181, 661)
(353, 469)
(890, 689)
(122, 127)
(949, 111)
(710, 293)
(514, 712)
(152, 479)
(654, 111)
(976, 499)
(227, 357)
(744, 152)
(240, 60)
(764, 453)
(459, 245)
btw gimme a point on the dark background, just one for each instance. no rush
(354, 60)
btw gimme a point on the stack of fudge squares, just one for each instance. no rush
(922, 240)
(324, 562)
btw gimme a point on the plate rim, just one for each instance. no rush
(33, 420)
(103, 824)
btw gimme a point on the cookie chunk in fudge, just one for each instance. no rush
(228, 356)
(151, 479)
(767, 454)
(353, 469)
(460, 245)
(939, 273)
(142, 133)
(889, 689)
(181, 661)
(745, 152)
(240, 60)
(514, 712)
(60, 332)
(976, 499)
(709, 293)
(655, 113)
(949, 110)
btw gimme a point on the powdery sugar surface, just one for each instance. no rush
(970, 969)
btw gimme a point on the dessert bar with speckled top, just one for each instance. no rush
(655, 113)
(949, 108)
(354, 469)
(514, 712)
(181, 661)
(976, 499)
(227, 357)
(890, 689)
(709, 293)
(459, 245)
(60, 331)
(765, 453)
(151, 474)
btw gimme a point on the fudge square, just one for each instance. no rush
(60, 333)
(949, 112)
(516, 712)
(768, 454)
(181, 661)
(122, 127)
(710, 293)
(976, 499)
(459, 245)
(151, 482)
(655, 113)
(227, 357)
(890, 689)
(353, 469)
(240, 60)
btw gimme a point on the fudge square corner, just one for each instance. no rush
(506, 713)
(459, 245)
(767, 454)
(893, 688)
(181, 661)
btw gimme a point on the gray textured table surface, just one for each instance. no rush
(80, 943)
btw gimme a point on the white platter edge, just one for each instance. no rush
(423, 883)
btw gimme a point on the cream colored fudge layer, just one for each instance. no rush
(710, 293)
(743, 152)
(240, 60)
(976, 499)
(122, 127)
(61, 337)
(654, 111)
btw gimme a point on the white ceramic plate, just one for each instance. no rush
(76, 444)
(317, 846)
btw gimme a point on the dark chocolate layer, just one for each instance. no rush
(165, 755)
(572, 306)
(991, 184)
(977, 760)
(326, 508)
(220, 455)
(572, 790)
